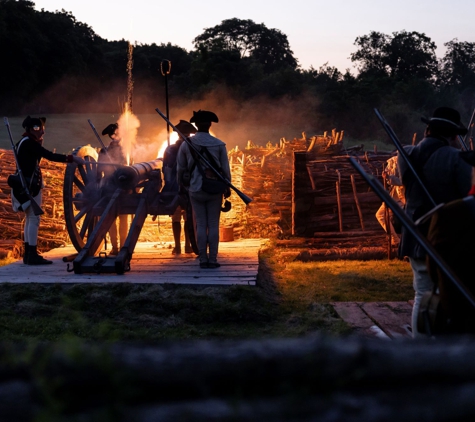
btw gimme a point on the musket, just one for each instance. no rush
(469, 125)
(34, 205)
(403, 154)
(387, 219)
(462, 143)
(246, 199)
(412, 228)
(99, 139)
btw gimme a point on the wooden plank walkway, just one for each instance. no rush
(387, 320)
(152, 263)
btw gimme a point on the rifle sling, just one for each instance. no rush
(197, 161)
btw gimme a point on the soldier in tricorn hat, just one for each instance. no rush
(172, 185)
(447, 177)
(115, 154)
(206, 205)
(30, 151)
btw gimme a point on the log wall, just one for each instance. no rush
(303, 188)
(331, 196)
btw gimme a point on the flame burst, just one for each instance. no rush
(128, 127)
(173, 138)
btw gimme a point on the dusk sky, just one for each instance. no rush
(318, 31)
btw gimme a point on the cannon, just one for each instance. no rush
(94, 200)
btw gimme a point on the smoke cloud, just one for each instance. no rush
(259, 119)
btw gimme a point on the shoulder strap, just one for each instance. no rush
(211, 158)
(197, 162)
(18, 145)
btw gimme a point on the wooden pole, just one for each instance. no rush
(357, 202)
(414, 138)
(312, 144)
(335, 141)
(312, 182)
(387, 221)
(338, 200)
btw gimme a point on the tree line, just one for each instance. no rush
(53, 63)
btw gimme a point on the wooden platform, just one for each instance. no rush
(152, 263)
(387, 320)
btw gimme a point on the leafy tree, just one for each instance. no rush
(404, 55)
(372, 53)
(458, 64)
(269, 47)
(21, 49)
(411, 55)
(40, 49)
(71, 53)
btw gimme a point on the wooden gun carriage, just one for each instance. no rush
(93, 201)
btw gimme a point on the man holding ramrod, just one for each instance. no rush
(29, 152)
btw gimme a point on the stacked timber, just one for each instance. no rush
(335, 207)
(331, 196)
(52, 229)
(326, 144)
(265, 174)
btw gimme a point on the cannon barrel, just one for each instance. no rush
(128, 177)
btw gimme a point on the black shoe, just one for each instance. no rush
(176, 251)
(204, 265)
(26, 252)
(188, 249)
(213, 265)
(34, 258)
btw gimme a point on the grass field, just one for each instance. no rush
(291, 299)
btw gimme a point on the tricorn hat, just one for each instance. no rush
(185, 127)
(203, 116)
(30, 122)
(110, 129)
(446, 118)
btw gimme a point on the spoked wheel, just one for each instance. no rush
(81, 191)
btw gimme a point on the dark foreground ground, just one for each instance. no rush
(315, 378)
(271, 352)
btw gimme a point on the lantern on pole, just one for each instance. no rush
(165, 68)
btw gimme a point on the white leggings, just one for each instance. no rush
(32, 223)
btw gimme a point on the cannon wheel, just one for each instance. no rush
(80, 193)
